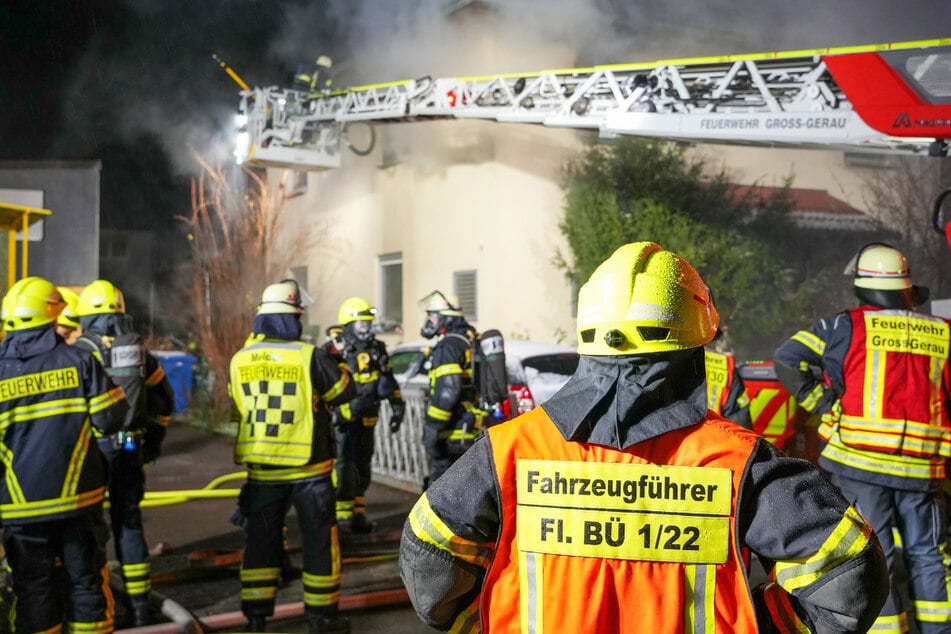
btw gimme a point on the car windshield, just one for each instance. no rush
(402, 359)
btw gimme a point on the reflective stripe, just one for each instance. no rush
(445, 370)
(699, 594)
(38, 508)
(156, 377)
(105, 401)
(321, 590)
(811, 341)
(905, 437)
(439, 414)
(900, 466)
(848, 539)
(468, 621)
(531, 595)
(337, 388)
(812, 398)
(77, 460)
(429, 528)
(136, 578)
(874, 383)
(367, 377)
(259, 584)
(782, 612)
(316, 469)
(890, 624)
(81, 627)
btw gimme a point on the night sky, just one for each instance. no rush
(132, 82)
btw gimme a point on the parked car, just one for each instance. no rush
(535, 370)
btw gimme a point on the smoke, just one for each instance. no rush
(147, 68)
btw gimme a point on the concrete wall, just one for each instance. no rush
(68, 252)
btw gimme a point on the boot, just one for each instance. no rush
(359, 525)
(256, 624)
(141, 615)
(328, 624)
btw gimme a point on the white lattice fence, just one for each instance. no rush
(399, 459)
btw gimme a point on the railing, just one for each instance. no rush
(399, 459)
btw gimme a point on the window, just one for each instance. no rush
(390, 307)
(465, 287)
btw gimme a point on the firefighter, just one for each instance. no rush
(369, 365)
(623, 500)
(726, 391)
(450, 425)
(108, 333)
(879, 376)
(282, 388)
(52, 397)
(67, 323)
(314, 78)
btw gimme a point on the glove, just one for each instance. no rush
(834, 414)
(152, 443)
(398, 407)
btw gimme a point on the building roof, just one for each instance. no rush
(804, 200)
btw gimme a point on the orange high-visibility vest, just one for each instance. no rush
(595, 539)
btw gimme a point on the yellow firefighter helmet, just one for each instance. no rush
(31, 302)
(644, 299)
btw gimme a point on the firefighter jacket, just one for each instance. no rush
(726, 392)
(281, 390)
(451, 390)
(882, 381)
(623, 501)
(369, 366)
(132, 367)
(52, 397)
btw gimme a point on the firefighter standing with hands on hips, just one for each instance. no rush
(623, 504)
(879, 376)
(369, 365)
(52, 397)
(449, 426)
(282, 388)
(108, 333)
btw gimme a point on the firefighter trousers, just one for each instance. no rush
(354, 469)
(126, 490)
(264, 507)
(919, 518)
(59, 572)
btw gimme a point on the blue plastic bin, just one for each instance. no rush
(178, 369)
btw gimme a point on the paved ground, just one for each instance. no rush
(198, 566)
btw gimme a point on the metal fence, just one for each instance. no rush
(399, 459)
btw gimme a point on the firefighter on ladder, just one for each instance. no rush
(369, 365)
(879, 375)
(282, 388)
(623, 504)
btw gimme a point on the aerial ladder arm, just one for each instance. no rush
(885, 97)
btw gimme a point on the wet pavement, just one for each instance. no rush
(191, 493)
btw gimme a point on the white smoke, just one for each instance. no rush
(156, 75)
